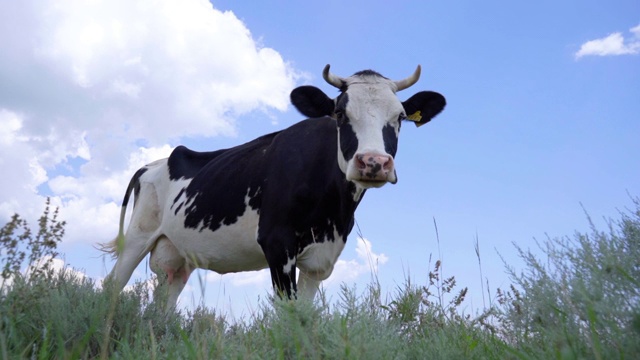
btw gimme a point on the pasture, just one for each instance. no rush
(579, 301)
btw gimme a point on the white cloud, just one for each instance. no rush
(10, 125)
(130, 89)
(614, 44)
(367, 262)
(24, 171)
(161, 61)
(85, 82)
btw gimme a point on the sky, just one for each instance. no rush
(541, 124)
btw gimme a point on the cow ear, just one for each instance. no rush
(424, 106)
(312, 102)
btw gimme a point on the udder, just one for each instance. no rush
(166, 261)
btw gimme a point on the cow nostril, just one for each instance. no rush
(360, 164)
(388, 165)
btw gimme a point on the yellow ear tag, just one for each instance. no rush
(416, 117)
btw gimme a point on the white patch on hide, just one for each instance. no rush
(230, 248)
(289, 265)
(317, 260)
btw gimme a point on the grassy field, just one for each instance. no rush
(581, 301)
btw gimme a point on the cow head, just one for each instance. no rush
(368, 116)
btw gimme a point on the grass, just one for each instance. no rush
(581, 301)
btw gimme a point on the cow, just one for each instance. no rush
(285, 200)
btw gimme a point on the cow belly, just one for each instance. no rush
(230, 248)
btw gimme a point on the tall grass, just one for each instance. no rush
(580, 301)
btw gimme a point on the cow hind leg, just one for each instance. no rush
(132, 249)
(141, 235)
(172, 271)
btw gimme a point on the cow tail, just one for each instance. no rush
(115, 246)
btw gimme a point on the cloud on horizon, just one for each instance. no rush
(612, 45)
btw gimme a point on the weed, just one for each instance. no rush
(18, 243)
(582, 300)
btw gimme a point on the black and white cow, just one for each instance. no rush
(285, 200)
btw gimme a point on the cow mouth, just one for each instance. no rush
(367, 183)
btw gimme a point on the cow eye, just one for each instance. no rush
(402, 117)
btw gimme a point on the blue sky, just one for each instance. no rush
(542, 117)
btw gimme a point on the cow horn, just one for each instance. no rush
(405, 83)
(332, 79)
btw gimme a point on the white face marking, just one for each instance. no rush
(371, 106)
(370, 109)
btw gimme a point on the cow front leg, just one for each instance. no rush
(308, 286)
(280, 252)
(283, 277)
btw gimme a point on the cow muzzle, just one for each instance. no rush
(373, 170)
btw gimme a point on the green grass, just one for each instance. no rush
(579, 301)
